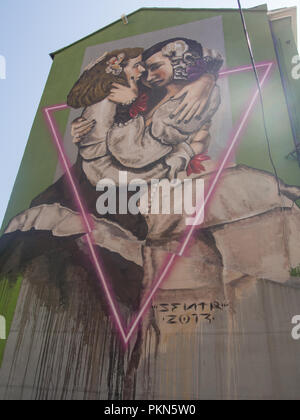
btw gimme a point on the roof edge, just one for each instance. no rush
(52, 55)
(257, 9)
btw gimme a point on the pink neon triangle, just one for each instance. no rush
(171, 259)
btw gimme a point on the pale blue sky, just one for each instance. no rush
(29, 31)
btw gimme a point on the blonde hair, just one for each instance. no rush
(95, 83)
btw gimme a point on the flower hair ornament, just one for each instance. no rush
(190, 65)
(93, 63)
(113, 65)
(175, 49)
(180, 56)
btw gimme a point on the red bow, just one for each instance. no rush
(195, 166)
(139, 106)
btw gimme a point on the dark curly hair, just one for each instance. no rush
(189, 63)
(193, 46)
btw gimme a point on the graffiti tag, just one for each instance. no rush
(186, 313)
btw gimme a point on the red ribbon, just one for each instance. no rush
(195, 166)
(139, 106)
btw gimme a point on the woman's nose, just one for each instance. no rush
(149, 76)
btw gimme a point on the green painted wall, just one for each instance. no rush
(286, 50)
(40, 160)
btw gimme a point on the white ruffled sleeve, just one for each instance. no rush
(93, 145)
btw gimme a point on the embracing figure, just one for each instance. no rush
(146, 112)
(153, 123)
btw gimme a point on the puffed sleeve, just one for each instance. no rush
(93, 145)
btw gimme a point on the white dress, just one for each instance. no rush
(144, 152)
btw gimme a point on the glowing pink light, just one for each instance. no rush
(226, 158)
(171, 259)
(240, 69)
(84, 214)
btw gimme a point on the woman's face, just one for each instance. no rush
(134, 69)
(159, 71)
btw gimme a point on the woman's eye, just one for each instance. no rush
(155, 67)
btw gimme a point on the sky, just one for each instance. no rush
(29, 31)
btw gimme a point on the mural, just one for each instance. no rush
(149, 113)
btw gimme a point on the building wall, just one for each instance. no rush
(236, 352)
(286, 51)
(35, 176)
